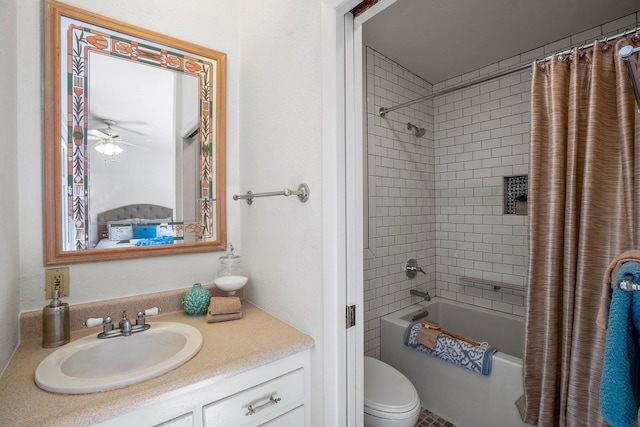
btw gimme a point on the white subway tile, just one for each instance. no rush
(557, 46)
(468, 299)
(482, 302)
(513, 299)
(619, 24)
(500, 306)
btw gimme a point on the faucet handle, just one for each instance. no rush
(151, 311)
(93, 321)
(412, 268)
(107, 324)
(148, 312)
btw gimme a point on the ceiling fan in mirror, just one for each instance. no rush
(107, 140)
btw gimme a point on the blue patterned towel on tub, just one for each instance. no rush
(468, 356)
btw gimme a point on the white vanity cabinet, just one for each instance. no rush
(273, 395)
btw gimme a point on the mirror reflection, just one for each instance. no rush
(142, 146)
(139, 123)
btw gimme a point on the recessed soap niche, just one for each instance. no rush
(516, 189)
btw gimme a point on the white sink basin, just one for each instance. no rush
(230, 284)
(90, 364)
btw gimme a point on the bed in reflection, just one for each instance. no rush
(137, 225)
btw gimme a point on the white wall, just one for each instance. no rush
(281, 147)
(214, 24)
(281, 113)
(9, 260)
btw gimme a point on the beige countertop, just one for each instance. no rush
(228, 348)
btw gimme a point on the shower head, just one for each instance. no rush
(417, 132)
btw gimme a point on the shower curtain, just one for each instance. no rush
(584, 210)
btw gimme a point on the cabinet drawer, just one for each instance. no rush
(185, 420)
(257, 404)
(295, 417)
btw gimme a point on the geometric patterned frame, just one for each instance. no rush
(69, 109)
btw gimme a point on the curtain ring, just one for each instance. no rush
(581, 51)
(636, 37)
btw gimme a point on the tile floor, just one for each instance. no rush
(429, 419)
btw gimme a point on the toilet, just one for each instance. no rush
(390, 400)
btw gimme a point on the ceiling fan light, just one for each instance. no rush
(108, 149)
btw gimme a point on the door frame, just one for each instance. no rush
(343, 160)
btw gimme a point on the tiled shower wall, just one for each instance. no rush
(447, 187)
(400, 224)
(481, 136)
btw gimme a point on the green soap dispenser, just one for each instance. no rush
(55, 322)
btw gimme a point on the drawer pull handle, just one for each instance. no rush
(272, 401)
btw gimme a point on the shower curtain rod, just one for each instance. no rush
(383, 110)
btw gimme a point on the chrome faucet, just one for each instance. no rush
(125, 324)
(125, 328)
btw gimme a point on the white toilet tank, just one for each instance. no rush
(390, 399)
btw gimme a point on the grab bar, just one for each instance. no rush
(302, 192)
(626, 54)
(496, 285)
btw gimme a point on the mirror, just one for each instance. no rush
(134, 141)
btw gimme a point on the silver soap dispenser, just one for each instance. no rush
(55, 322)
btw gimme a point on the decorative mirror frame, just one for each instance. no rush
(207, 64)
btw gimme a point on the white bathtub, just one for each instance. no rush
(465, 398)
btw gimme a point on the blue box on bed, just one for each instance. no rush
(141, 231)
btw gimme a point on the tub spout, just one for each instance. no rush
(417, 293)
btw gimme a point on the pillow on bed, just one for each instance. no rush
(143, 231)
(165, 229)
(120, 231)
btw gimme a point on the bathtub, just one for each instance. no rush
(465, 398)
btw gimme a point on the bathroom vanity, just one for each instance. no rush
(249, 372)
(271, 395)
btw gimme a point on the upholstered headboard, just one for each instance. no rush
(144, 212)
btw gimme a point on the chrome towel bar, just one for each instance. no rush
(302, 192)
(627, 284)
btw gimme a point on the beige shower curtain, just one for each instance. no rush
(584, 210)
